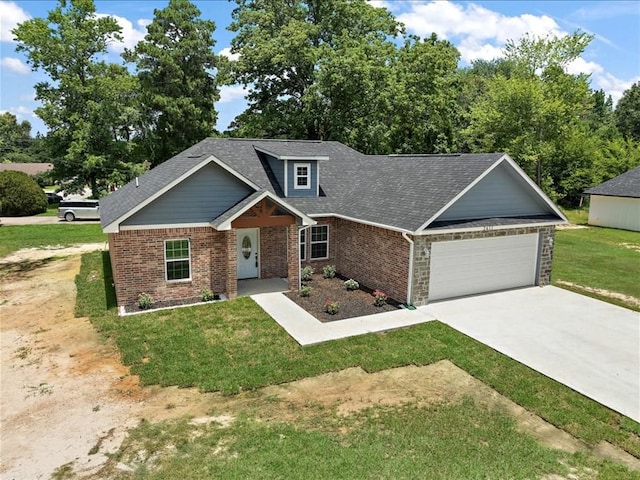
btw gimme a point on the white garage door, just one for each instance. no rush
(466, 267)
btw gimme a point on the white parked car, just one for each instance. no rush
(71, 210)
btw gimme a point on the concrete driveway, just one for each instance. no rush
(588, 345)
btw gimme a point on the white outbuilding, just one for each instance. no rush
(616, 202)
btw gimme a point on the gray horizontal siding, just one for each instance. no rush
(200, 198)
(302, 193)
(501, 193)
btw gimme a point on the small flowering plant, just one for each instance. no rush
(329, 271)
(305, 290)
(307, 274)
(379, 298)
(144, 301)
(351, 285)
(331, 307)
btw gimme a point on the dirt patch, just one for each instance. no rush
(605, 293)
(354, 303)
(631, 246)
(67, 399)
(27, 255)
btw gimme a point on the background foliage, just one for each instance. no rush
(313, 69)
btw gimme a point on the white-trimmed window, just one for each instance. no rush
(302, 176)
(303, 245)
(177, 260)
(319, 242)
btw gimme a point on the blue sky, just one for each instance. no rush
(478, 28)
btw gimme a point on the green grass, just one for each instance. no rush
(394, 442)
(16, 237)
(577, 216)
(599, 258)
(233, 346)
(52, 211)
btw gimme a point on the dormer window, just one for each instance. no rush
(302, 176)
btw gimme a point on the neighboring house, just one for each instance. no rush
(616, 202)
(28, 168)
(420, 227)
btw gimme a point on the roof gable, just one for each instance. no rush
(503, 191)
(625, 185)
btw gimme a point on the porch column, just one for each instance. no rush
(232, 264)
(292, 256)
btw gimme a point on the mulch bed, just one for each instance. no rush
(352, 303)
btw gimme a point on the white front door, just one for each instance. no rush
(247, 253)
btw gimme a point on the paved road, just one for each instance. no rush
(38, 221)
(588, 345)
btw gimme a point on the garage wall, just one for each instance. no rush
(615, 212)
(422, 255)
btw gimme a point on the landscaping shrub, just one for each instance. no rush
(307, 274)
(20, 195)
(380, 298)
(329, 271)
(351, 285)
(305, 291)
(144, 301)
(331, 307)
(207, 295)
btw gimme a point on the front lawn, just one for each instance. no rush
(604, 258)
(233, 346)
(16, 237)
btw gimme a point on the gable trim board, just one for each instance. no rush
(292, 157)
(226, 224)
(521, 174)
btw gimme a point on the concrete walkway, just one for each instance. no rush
(308, 330)
(588, 345)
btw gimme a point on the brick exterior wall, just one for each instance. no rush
(374, 256)
(273, 252)
(421, 260)
(137, 259)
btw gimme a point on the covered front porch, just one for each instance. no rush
(262, 246)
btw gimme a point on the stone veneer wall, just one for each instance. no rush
(421, 260)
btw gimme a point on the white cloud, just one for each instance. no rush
(479, 33)
(11, 16)
(131, 34)
(226, 52)
(231, 93)
(15, 65)
(611, 84)
(580, 65)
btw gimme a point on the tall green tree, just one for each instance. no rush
(537, 113)
(15, 139)
(627, 113)
(175, 64)
(314, 68)
(84, 98)
(425, 111)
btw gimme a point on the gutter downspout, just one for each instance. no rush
(305, 256)
(410, 279)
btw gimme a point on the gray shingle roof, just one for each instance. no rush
(625, 185)
(401, 191)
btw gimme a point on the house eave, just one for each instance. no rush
(226, 224)
(488, 228)
(291, 157)
(364, 222)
